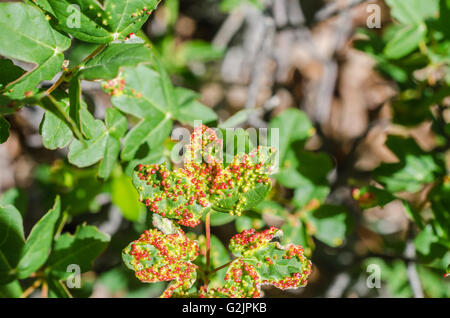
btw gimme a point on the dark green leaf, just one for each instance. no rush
(4, 129)
(11, 242)
(39, 242)
(331, 224)
(107, 64)
(80, 249)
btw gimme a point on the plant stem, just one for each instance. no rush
(31, 289)
(61, 225)
(63, 77)
(44, 291)
(56, 85)
(94, 53)
(221, 267)
(208, 246)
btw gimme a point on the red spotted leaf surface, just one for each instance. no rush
(204, 183)
(262, 261)
(159, 257)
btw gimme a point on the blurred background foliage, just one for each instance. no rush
(364, 123)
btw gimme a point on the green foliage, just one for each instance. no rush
(407, 51)
(126, 155)
(40, 45)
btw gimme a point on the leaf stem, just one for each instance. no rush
(44, 291)
(221, 267)
(68, 74)
(94, 53)
(208, 246)
(69, 120)
(31, 289)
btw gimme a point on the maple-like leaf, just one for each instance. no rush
(204, 184)
(262, 261)
(164, 255)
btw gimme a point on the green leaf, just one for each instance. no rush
(4, 129)
(17, 198)
(99, 22)
(414, 169)
(218, 219)
(125, 196)
(260, 261)
(147, 95)
(80, 249)
(413, 11)
(197, 50)
(9, 72)
(331, 224)
(40, 45)
(307, 173)
(191, 110)
(406, 41)
(237, 119)
(157, 257)
(294, 127)
(108, 63)
(11, 290)
(104, 144)
(75, 99)
(12, 241)
(55, 132)
(38, 245)
(56, 288)
(117, 125)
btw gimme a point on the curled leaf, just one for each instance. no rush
(157, 257)
(262, 261)
(204, 183)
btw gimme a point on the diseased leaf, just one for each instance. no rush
(95, 22)
(260, 261)
(39, 242)
(158, 257)
(186, 194)
(39, 44)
